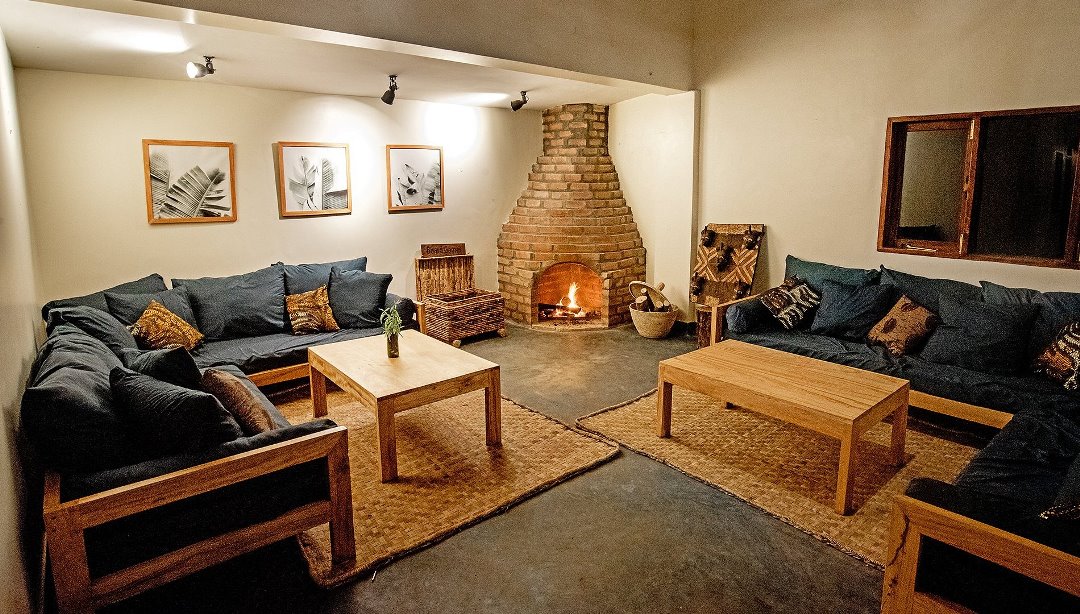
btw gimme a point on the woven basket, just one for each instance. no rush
(654, 324)
(452, 316)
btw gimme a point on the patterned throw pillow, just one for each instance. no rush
(159, 328)
(309, 312)
(1060, 361)
(242, 403)
(791, 301)
(904, 328)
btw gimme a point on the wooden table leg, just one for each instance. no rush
(318, 391)
(493, 408)
(845, 475)
(387, 444)
(663, 407)
(899, 433)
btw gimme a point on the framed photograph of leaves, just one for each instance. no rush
(313, 179)
(189, 181)
(414, 178)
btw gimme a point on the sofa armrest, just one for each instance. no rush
(407, 308)
(716, 317)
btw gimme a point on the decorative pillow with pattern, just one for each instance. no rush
(791, 301)
(159, 328)
(239, 401)
(309, 312)
(1060, 361)
(904, 329)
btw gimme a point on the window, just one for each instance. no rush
(997, 185)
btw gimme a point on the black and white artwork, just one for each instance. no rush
(414, 178)
(189, 181)
(313, 179)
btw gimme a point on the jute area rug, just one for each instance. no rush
(785, 470)
(448, 477)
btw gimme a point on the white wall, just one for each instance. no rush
(82, 139)
(795, 97)
(651, 139)
(18, 318)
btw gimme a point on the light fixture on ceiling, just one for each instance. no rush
(196, 70)
(391, 92)
(517, 104)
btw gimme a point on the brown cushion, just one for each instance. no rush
(309, 312)
(159, 328)
(238, 401)
(1060, 361)
(904, 328)
(791, 301)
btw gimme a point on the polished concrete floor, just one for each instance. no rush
(630, 536)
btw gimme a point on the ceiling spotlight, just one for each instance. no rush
(196, 70)
(517, 104)
(391, 92)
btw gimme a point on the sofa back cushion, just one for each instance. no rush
(301, 278)
(849, 312)
(748, 316)
(173, 365)
(981, 336)
(357, 297)
(927, 291)
(148, 284)
(96, 323)
(129, 307)
(816, 273)
(245, 305)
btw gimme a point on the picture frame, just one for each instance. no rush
(414, 178)
(189, 181)
(313, 179)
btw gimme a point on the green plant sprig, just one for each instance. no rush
(391, 320)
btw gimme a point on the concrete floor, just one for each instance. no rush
(630, 536)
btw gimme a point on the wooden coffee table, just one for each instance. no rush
(427, 371)
(831, 399)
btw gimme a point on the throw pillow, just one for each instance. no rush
(904, 328)
(128, 307)
(150, 283)
(356, 297)
(300, 278)
(159, 328)
(309, 312)
(790, 302)
(926, 291)
(168, 419)
(747, 316)
(849, 312)
(96, 323)
(247, 305)
(817, 273)
(981, 336)
(174, 365)
(1060, 361)
(239, 401)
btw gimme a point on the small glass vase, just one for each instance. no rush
(392, 346)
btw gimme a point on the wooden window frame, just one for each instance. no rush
(891, 189)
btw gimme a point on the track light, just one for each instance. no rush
(391, 92)
(517, 104)
(196, 70)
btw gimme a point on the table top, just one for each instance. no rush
(423, 362)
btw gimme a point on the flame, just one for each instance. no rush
(572, 295)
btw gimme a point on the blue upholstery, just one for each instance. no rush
(927, 291)
(96, 323)
(240, 305)
(129, 307)
(307, 277)
(149, 284)
(816, 273)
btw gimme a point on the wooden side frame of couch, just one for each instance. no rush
(66, 522)
(912, 520)
(941, 405)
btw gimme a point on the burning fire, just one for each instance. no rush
(572, 295)
(568, 305)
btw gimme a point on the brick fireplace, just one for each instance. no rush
(571, 247)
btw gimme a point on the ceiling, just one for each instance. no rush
(137, 39)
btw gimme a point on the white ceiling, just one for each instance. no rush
(137, 39)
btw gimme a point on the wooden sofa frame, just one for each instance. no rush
(912, 520)
(66, 522)
(941, 405)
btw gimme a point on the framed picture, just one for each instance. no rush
(313, 179)
(189, 181)
(414, 178)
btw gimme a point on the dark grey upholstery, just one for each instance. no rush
(927, 290)
(245, 305)
(149, 284)
(254, 354)
(307, 277)
(357, 297)
(129, 307)
(96, 323)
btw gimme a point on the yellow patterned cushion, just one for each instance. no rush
(309, 312)
(159, 328)
(904, 328)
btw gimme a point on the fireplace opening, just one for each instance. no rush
(568, 292)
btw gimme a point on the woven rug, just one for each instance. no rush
(448, 477)
(785, 470)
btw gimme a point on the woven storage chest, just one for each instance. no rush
(453, 316)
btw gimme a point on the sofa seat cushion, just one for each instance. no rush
(254, 354)
(822, 347)
(240, 305)
(149, 284)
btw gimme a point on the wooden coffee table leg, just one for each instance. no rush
(663, 407)
(493, 408)
(318, 392)
(899, 433)
(387, 444)
(845, 475)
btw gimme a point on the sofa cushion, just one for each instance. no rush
(238, 400)
(96, 323)
(851, 311)
(310, 312)
(747, 316)
(816, 273)
(927, 291)
(240, 305)
(167, 419)
(981, 336)
(1066, 504)
(159, 328)
(790, 302)
(150, 283)
(254, 354)
(173, 365)
(904, 329)
(128, 307)
(307, 277)
(1060, 361)
(357, 297)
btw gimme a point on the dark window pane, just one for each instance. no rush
(932, 187)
